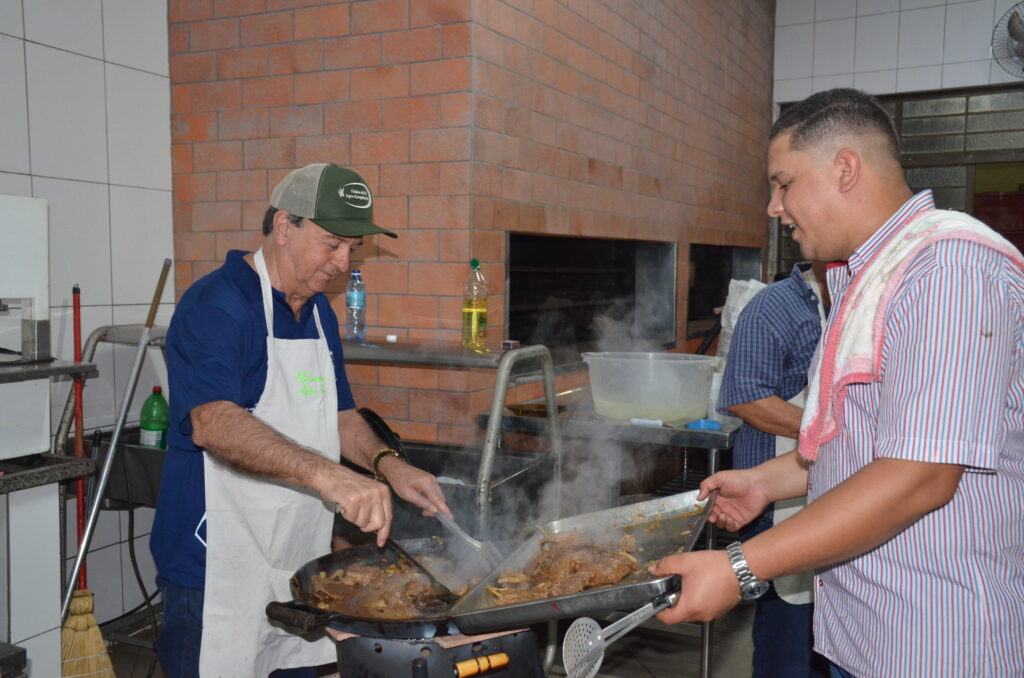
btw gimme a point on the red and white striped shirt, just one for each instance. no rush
(945, 597)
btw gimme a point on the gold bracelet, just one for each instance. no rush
(386, 452)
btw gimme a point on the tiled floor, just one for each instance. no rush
(650, 651)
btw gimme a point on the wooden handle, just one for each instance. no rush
(159, 293)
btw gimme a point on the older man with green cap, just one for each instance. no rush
(261, 412)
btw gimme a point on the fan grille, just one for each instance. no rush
(1008, 41)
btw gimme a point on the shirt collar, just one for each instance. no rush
(921, 201)
(240, 270)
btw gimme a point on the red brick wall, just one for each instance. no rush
(469, 118)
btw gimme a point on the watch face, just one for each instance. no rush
(753, 589)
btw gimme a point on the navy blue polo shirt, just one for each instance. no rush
(216, 350)
(770, 354)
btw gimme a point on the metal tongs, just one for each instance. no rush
(488, 551)
(585, 641)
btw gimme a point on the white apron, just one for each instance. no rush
(796, 589)
(260, 531)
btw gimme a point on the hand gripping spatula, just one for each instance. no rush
(585, 641)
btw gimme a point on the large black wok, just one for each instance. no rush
(301, 613)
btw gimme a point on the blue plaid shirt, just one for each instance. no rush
(770, 353)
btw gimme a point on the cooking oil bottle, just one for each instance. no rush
(474, 309)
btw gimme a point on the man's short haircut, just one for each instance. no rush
(268, 220)
(833, 113)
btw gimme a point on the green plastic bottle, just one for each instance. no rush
(153, 420)
(474, 309)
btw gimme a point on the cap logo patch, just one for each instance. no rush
(356, 195)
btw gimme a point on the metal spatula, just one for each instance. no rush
(488, 551)
(585, 641)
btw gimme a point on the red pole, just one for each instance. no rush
(79, 424)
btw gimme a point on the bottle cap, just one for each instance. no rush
(157, 389)
(355, 271)
(474, 263)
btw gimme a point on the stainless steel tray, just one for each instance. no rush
(661, 526)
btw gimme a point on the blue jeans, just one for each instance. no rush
(181, 634)
(837, 672)
(783, 633)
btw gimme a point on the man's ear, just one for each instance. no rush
(847, 164)
(282, 227)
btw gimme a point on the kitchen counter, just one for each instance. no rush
(22, 473)
(589, 425)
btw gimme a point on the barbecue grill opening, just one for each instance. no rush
(576, 294)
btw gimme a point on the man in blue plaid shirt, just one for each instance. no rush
(769, 356)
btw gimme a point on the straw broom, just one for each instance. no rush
(82, 649)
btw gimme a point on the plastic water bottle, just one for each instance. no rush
(153, 420)
(474, 309)
(355, 307)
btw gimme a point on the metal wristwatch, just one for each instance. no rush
(751, 587)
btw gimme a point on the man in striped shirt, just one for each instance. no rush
(916, 482)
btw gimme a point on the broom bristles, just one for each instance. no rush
(82, 649)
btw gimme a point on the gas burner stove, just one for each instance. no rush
(512, 654)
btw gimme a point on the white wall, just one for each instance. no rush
(86, 125)
(885, 46)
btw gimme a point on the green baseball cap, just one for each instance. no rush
(334, 198)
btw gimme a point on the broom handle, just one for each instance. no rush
(126, 402)
(76, 294)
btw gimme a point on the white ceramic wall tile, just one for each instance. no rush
(98, 396)
(138, 120)
(141, 238)
(75, 26)
(967, 74)
(10, 18)
(792, 90)
(4, 580)
(106, 534)
(131, 594)
(79, 239)
(968, 31)
(43, 654)
(922, 32)
(917, 4)
(1002, 7)
(826, 10)
(794, 51)
(833, 46)
(824, 82)
(876, 82)
(67, 114)
(878, 7)
(34, 561)
(15, 184)
(13, 106)
(143, 522)
(919, 79)
(789, 12)
(135, 34)
(878, 37)
(153, 371)
(105, 581)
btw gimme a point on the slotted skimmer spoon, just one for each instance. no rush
(585, 642)
(488, 551)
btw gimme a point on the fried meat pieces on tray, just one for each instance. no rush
(567, 563)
